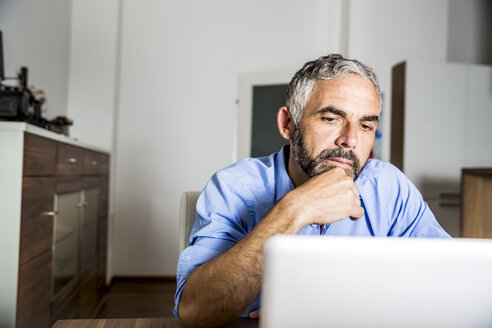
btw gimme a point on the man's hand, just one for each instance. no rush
(326, 198)
(233, 279)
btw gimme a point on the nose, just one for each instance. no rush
(348, 137)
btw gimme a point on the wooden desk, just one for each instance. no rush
(141, 323)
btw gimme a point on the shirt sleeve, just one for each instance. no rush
(222, 217)
(411, 215)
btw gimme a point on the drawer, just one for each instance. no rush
(36, 219)
(95, 163)
(70, 160)
(39, 155)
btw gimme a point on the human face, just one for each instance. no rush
(337, 126)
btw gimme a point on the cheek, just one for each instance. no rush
(365, 144)
(321, 140)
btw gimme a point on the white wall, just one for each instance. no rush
(36, 34)
(470, 31)
(93, 54)
(164, 98)
(383, 33)
(179, 81)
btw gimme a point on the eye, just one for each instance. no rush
(366, 127)
(329, 119)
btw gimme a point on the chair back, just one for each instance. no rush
(187, 215)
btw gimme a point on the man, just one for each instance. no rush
(321, 183)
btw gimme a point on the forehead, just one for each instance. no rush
(350, 93)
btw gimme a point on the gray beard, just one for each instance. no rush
(317, 165)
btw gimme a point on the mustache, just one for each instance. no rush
(340, 153)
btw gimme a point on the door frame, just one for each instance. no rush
(243, 121)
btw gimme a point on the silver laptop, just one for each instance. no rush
(319, 281)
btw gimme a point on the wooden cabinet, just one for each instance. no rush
(440, 120)
(476, 215)
(50, 171)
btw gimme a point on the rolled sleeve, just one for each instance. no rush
(190, 259)
(222, 214)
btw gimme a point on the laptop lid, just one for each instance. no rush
(319, 281)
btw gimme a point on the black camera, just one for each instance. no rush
(21, 103)
(14, 101)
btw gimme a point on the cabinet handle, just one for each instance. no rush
(94, 163)
(72, 160)
(79, 205)
(50, 213)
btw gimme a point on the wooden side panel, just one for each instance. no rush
(398, 114)
(39, 155)
(476, 211)
(34, 289)
(487, 206)
(471, 221)
(36, 221)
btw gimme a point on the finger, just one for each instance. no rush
(338, 172)
(255, 314)
(356, 190)
(357, 213)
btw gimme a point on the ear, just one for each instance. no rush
(285, 123)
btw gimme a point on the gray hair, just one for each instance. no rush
(324, 68)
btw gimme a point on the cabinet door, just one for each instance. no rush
(66, 239)
(36, 217)
(434, 141)
(89, 225)
(478, 149)
(33, 296)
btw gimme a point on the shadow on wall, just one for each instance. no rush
(444, 199)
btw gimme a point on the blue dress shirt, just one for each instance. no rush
(239, 196)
